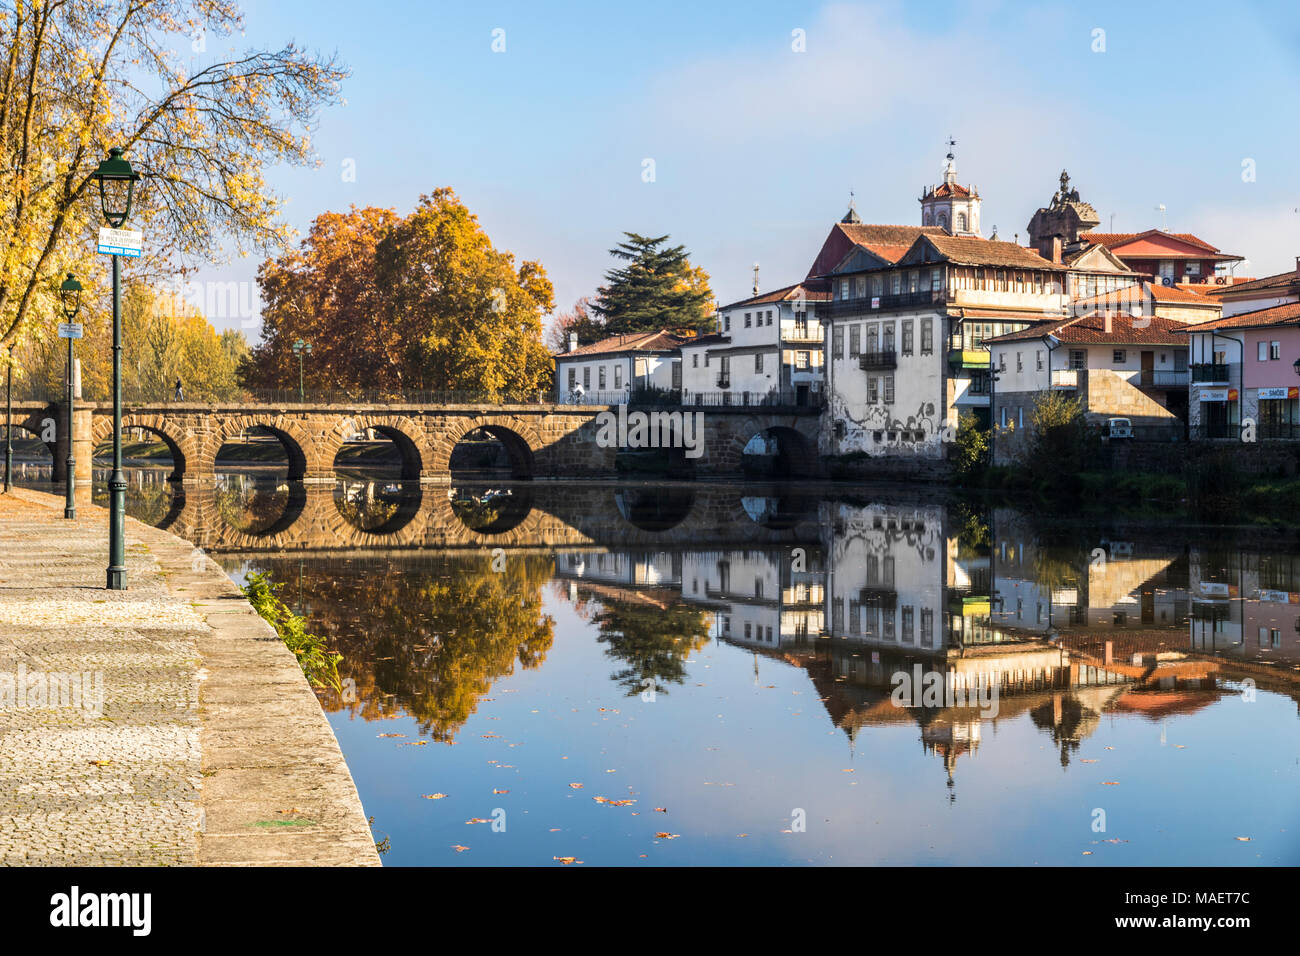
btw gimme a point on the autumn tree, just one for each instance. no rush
(658, 288)
(80, 76)
(424, 302)
(579, 319)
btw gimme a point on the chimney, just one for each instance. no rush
(1297, 267)
(1108, 329)
(1056, 249)
(573, 341)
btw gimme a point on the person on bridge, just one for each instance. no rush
(180, 392)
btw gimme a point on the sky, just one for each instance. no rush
(757, 138)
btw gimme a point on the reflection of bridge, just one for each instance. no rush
(540, 440)
(312, 518)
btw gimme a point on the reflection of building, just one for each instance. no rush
(1246, 605)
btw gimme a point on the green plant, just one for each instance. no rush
(318, 662)
(973, 446)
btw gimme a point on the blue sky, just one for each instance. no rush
(756, 146)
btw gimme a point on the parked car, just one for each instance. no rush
(1117, 429)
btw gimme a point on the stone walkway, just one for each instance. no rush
(162, 725)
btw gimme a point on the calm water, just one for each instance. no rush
(673, 675)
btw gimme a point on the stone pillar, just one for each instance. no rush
(83, 447)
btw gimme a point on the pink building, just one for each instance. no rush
(1246, 368)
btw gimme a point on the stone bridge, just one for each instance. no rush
(542, 441)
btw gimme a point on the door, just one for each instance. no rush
(1148, 368)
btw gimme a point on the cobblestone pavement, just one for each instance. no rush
(100, 760)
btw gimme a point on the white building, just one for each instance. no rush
(611, 371)
(767, 350)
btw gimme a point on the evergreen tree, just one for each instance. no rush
(657, 289)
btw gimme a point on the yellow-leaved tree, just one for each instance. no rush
(80, 76)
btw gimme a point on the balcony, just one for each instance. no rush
(969, 358)
(724, 380)
(1161, 378)
(884, 303)
(871, 361)
(1065, 378)
(802, 335)
(1210, 372)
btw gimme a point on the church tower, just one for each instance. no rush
(951, 205)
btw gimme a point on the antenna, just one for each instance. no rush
(755, 278)
(1161, 209)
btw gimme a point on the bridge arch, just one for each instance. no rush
(180, 442)
(292, 434)
(405, 433)
(518, 436)
(775, 450)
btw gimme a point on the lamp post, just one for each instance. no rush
(301, 348)
(9, 421)
(116, 187)
(70, 298)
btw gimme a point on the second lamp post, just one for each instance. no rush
(70, 299)
(301, 348)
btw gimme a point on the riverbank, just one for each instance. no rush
(162, 725)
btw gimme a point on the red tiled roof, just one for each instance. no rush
(1112, 239)
(888, 242)
(946, 190)
(660, 341)
(973, 251)
(1090, 329)
(1277, 315)
(814, 291)
(1281, 281)
(1157, 291)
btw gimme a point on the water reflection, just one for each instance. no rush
(689, 637)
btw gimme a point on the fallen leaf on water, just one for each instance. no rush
(476, 820)
(566, 860)
(458, 848)
(390, 735)
(1093, 760)
(848, 770)
(1087, 853)
(575, 786)
(555, 829)
(742, 834)
(1110, 748)
(494, 790)
(667, 836)
(661, 809)
(489, 736)
(415, 743)
(1110, 783)
(433, 796)
(1114, 840)
(1244, 839)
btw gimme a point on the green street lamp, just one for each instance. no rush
(301, 348)
(116, 189)
(9, 421)
(70, 299)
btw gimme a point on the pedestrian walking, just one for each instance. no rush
(180, 392)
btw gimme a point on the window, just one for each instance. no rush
(889, 388)
(927, 627)
(1004, 418)
(896, 283)
(912, 281)
(695, 360)
(1002, 361)
(618, 376)
(860, 286)
(927, 336)
(936, 279)
(758, 361)
(855, 339)
(961, 222)
(1039, 358)
(889, 336)
(726, 323)
(1020, 366)
(747, 315)
(600, 378)
(573, 379)
(1275, 350)
(1120, 357)
(801, 359)
(1263, 352)
(677, 374)
(907, 336)
(1078, 359)
(909, 618)
(837, 342)
(873, 338)
(586, 376)
(844, 289)
(1193, 268)
(877, 285)
(873, 391)
(769, 316)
